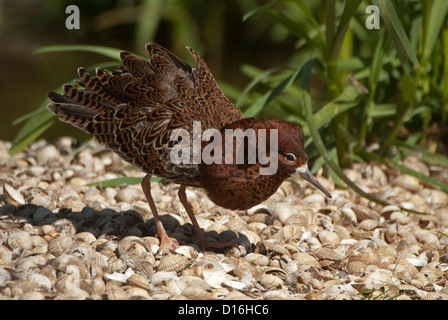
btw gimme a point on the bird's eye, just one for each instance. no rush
(290, 157)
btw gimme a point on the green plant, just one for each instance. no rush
(394, 80)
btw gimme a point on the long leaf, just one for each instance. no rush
(259, 10)
(439, 9)
(346, 101)
(271, 95)
(112, 53)
(253, 83)
(32, 130)
(120, 181)
(396, 31)
(429, 180)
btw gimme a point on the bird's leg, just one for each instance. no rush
(164, 239)
(202, 242)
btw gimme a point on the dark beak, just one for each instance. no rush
(304, 173)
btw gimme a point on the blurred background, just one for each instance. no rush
(214, 28)
(376, 94)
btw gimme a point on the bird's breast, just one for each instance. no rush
(237, 186)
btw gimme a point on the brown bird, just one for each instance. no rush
(141, 113)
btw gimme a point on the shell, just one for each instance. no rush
(368, 224)
(282, 211)
(306, 259)
(379, 278)
(261, 217)
(187, 251)
(275, 247)
(213, 273)
(12, 195)
(271, 281)
(60, 245)
(363, 213)
(135, 293)
(304, 217)
(65, 227)
(173, 262)
(20, 239)
(246, 270)
(367, 257)
(348, 216)
(356, 267)
(195, 293)
(85, 237)
(132, 246)
(328, 238)
(138, 281)
(323, 253)
(115, 292)
(258, 259)
(145, 267)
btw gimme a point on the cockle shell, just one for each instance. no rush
(306, 259)
(172, 262)
(20, 239)
(138, 281)
(270, 281)
(60, 245)
(258, 259)
(328, 238)
(145, 267)
(282, 211)
(356, 267)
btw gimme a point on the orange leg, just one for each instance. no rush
(164, 239)
(202, 242)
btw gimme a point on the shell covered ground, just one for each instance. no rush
(61, 238)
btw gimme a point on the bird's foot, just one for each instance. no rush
(167, 243)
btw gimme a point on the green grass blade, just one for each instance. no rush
(347, 15)
(413, 150)
(271, 95)
(259, 10)
(109, 52)
(120, 181)
(115, 182)
(148, 21)
(31, 114)
(428, 180)
(31, 131)
(439, 9)
(396, 31)
(260, 78)
(346, 101)
(307, 106)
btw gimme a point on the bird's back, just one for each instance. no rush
(134, 112)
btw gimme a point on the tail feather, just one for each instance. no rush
(74, 114)
(103, 91)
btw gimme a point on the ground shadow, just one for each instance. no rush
(108, 222)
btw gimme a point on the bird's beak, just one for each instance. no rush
(304, 173)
